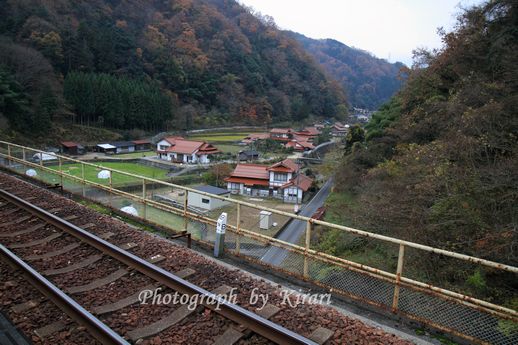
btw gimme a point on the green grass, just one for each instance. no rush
(117, 179)
(233, 149)
(135, 155)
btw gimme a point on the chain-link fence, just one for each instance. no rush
(385, 276)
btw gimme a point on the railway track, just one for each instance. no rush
(73, 262)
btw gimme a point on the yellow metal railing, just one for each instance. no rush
(397, 279)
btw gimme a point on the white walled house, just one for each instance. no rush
(180, 150)
(281, 180)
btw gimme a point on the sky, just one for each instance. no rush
(389, 29)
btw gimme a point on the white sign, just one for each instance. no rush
(221, 227)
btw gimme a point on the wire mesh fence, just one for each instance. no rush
(383, 276)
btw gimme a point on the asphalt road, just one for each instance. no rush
(297, 228)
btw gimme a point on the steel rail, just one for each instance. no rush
(95, 327)
(259, 325)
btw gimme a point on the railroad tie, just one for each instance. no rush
(71, 217)
(122, 303)
(20, 308)
(54, 327)
(176, 316)
(37, 242)
(11, 211)
(63, 250)
(128, 246)
(16, 221)
(55, 210)
(321, 335)
(86, 262)
(23, 232)
(87, 226)
(233, 335)
(98, 283)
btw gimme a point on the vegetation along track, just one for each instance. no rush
(91, 262)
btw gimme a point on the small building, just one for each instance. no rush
(299, 144)
(248, 155)
(207, 202)
(72, 148)
(106, 148)
(339, 130)
(253, 137)
(142, 145)
(308, 133)
(180, 150)
(281, 134)
(123, 146)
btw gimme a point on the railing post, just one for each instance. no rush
(308, 243)
(8, 155)
(83, 178)
(23, 154)
(144, 215)
(238, 227)
(185, 220)
(401, 256)
(111, 187)
(60, 172)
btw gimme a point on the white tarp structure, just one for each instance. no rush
(44, 156)
(130, 210)
(106, 146)
(103, 174)
(31, 172)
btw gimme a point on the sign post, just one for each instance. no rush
(221, 227)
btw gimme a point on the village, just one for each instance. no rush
(275, 168)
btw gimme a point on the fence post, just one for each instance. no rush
(60, 172)
(399, 271)
(144, 198)
(308, 243)
(238, 227)
(185, 220)
(111, 186)
(8, 155)
(83, 178)
(23, 154)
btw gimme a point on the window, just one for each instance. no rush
(205, 201)
(234, 185)
(163, 147)
(280, 177)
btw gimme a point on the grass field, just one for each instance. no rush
(117, 179)
(229, 148)
(135, 155)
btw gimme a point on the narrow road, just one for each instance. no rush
(296, 228)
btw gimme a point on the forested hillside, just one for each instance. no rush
(184, 63)
(368, 80)
(439, 164)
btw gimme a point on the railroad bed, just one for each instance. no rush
(102, 265)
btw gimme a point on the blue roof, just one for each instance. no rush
(212, 190)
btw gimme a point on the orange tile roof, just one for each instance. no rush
(69, 144)
(254, 171)
(301, 181)
(286, 165)
(280, 130)
(184, 146)
(172, 140)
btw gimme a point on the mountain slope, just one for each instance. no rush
(369, 81)
(215, 61)
(440, 161)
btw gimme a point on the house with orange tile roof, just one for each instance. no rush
(282, 180)
(180, 150)
(281, 134)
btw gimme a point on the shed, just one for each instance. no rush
(106, 148)
(207, 202)
(142, 145)
(248, 155)
(72, 148)
(123, 146)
